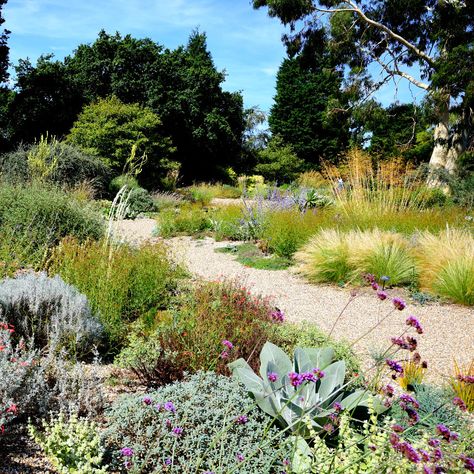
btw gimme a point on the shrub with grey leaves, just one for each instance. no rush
(206, 423)
(49, 312)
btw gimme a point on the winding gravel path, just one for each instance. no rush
(449, 329)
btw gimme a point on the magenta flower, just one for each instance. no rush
(434, 443)
(278, 316)
(398, 428)
(413, 322)
(147, 400)
(228, 344)
(459, 403)
(394, 365)
(272, 376)
(295, 379)
(241, 420)
(374, 285)
(224, 355)
(399, 303)
(446, 433)
(169, 406)
(337, 407)
(382, 295)
(468, 462)
(126, 452)
(240, 457)
(177, 431)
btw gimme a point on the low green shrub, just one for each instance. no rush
(139, 201)
(250, 255)
(122, 283)
(205, 424)
(72, 446)
(189, 338)
(199, 193)
(187, 220)
(289, 336)
(46, 214)
(166, 199)
(66, 165)
(123, 180)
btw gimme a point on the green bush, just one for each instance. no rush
(69, 165)
(121, 283)
(139, 200)
(187, 220)
(72, 446)
(205, 408)
(190, 336)
(289, 336)
(123, 180)
(40, 216)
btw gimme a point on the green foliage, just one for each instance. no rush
(289, 336)
(278, 162)
(207, 406)
(290, 402)
(69, 165)
(201, 194)
(139, 201)
(308, 95)
(436, 408)
(40, 216)
(189, 338)
(110, 129)
(73, 446)
(251, 256)
(183, 220)
(123, 180)
(121, 283)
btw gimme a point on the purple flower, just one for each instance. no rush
(278, 316)
(399, 303)
(398, 428)
(272, 376)
(469, 379)
(382, 295)
(446, 433)
(437, 454)
(295, 379)
(410, 343)
(241, 420)
(240, 457)
(394, 365)
(374, 286)
(169, 406)
(228, 344)
(388, 390)
(328, 428)
(427, 470)
(468, 462)
(459, 403)
(168, 462)
(147, 400)
(434, 443)
(424, 455)
(406, 398)
(337, 407)
(413, 322)
(177, 431)
(126, 452)
(319, 373)
(224, 355)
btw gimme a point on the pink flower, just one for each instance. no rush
(228, 344)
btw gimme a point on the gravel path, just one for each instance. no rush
(449, 329)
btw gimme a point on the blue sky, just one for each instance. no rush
(243, 41)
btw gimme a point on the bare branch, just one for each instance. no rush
(397, 72)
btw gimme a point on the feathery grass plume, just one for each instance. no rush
(389, 186)
(380, 253)
(446, 263)
(325, 257)
(463, 384)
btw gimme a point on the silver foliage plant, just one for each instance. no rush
(50, 312)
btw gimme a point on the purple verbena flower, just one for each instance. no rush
(278, 316)
(337, 407)
(413, 322)
(374, 285)
(295, 379)
(398, 428)
(469, 379)
(177, 431)
(224, 355)
(406, 398)
(457, 401)
(394, 365)
(168, 462)
(382, 295)
(272, 376)
(147, 400)
(228, 344)
(434, 443)
(468, 462)
(328, 427)
(240, 457)
(241, 420)
(127, 452)
(446, 433)
(169, 406)
(399, 303)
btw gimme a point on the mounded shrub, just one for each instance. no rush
(49, 312)
(69, 164)
(139, 200)
(122, 283)
(206, 423)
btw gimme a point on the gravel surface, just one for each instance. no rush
(449, 329)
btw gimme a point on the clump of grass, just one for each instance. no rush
(325, 258)
(380, 253)
(446, 263)
(312, 179)
(166, 199)
(250, 255)
(189, 220)
(462, 384)
(413, 375)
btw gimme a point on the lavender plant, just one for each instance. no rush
(49, 312)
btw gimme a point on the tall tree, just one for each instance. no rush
(4, 50)
(309, 105)
(437, 35)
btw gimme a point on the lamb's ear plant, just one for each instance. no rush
(311, 386)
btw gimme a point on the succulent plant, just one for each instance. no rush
(309, 387)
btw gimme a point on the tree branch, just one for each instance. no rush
(405, 75)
